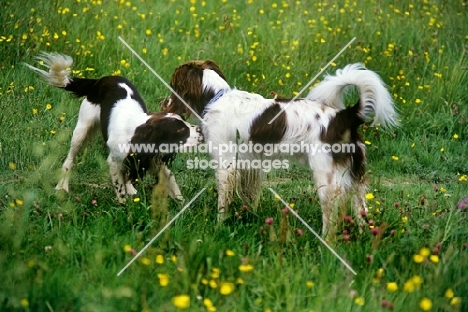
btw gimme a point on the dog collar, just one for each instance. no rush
(219, 94)
(216, 97)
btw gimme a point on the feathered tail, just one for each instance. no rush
(58, 75)
(58, 65)
(375, 99)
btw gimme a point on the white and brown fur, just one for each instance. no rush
(113, 104)
(321, 117)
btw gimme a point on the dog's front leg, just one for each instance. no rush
(172, 188)
(115, 168)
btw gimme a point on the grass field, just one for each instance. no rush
(62, 252)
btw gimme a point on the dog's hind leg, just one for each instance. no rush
(88, 121)
(359, 204)
(250, 186)
(331, 184)
(225, 180)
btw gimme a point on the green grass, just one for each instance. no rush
(61, 252)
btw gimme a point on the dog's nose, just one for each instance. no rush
(198, 129)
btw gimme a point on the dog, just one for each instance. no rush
(320, 119)
(114, 104)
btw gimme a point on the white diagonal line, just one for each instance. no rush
(313, 232)
(162, 80)
(160, 232)
(313, 79)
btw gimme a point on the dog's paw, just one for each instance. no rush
(179, 198)
(62, 187)
(130, 190)
(222, 216)
(122, 199)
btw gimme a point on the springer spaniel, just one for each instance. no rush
(132, 135)
(320, 119)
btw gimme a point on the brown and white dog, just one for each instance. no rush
(320, 119)
(132, 135)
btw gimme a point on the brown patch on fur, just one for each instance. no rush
(158, 129)
(187, 82)
(262, 132)
(343, 129)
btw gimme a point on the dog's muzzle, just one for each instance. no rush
(201, 138)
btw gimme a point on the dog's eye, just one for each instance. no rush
(180, 130)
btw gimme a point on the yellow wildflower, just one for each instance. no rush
(425, 304)
(449, 293)
(226, 288)
(163, 279)
(455, 301)
(392, 286)
(159, 259)
(181, 301)
(408, 286)
(359, 301)
(24, 303)
(424, 251)
(245, 267)
(418, 258)
(214, 273)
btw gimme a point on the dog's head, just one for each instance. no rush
(161, 137)
(194, 87)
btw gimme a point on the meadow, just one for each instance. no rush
(62, 252)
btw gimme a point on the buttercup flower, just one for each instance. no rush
(226, 288)
(181, 301)
(392, 286)
(359, 301)
(163, 279)
(245, 267)
(159, 259)
(425, 304)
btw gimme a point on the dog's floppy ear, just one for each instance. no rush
(147, 133)
(187, 82)
(146, 143)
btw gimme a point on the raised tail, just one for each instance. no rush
(58, 75)
(58, 65)
(375, 100)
